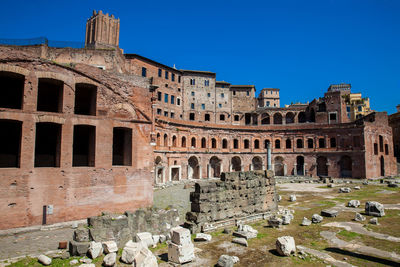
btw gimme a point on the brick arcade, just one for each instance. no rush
(92, 129)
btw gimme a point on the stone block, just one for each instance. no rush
(43, 259)
(145, 237)
(78, 248)
(180, 236)
(353, 203)
(95, 249)
(130, 252)
(240, 241)
(316, 218)
(285, 245)
(329, 213)
(110, 259)
(374, 208)
(180, 253)
(202, 237)
(110, 247)
(81, 234)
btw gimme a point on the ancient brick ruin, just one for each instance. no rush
(93, 129)
(236, 196)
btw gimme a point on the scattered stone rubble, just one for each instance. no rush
(43, 259)
(285, 245)
(292, 198)
(235, 195)
(305, 222)
(245, 231)
(374, 221)
(202, 237)
(150, 224)
(316, 218)
(329, 213)
(180, 248)
(374, 208)
(137, 254)
(227, 261)
(344, 190)
(353, 203)
(359, 217)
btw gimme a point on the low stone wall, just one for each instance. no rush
(235, 196)
(123, 227)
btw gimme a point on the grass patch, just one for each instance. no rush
(348, 234)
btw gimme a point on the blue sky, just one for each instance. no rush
(299, 46)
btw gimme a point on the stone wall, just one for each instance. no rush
(236, 195)
(123, 227)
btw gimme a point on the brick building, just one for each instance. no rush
(87, 130)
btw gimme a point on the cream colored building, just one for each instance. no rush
(357, 106)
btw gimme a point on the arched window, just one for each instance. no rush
(246, 144)
(278, 144)
(265, 119)
(183, 141)
(289, 117)
(310, 143)
(299, 143)
(302, 117)
(277, 118)
(256, 144)
(235, 144)
(266, 142)
(321, 142)
(193, 143)
(174, 141)
(288, 144)
(203, 142)
(213, 143)
(158, 139)
(165, 140)
(224, 143)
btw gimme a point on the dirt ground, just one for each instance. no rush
(311, 199)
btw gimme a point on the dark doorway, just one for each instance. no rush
(300, 165)
(47, 144)
(11, 90)
(215, 164)
(122, 146)
(236, 164)
(322, 167)
(84, 146)
(345, 166)
(382, 162)
(10, 143)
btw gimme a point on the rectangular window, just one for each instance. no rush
(166, 98)
(159, 72)
(11, 90)
(10, 143)
(222, 95)
(166, 75)
(47, 144)
(220, 105)
(203, 106)
(172, 99)
(172, 115)
(178, 101)
(84, 146)
(122, 147)
(192, 93)
(348, 109)
(332, 117)
(85, 99)
(222, 117)
(173, 77)
(206, 83)
(208, 95)
(192, 82)
(166, 113)
(247, 93)
(144, 72)
(50, 95)
(268, 103)
(159, 111)
(179, 79)
(234, 92)
(192, 105)
(159, 95)
(191, 116)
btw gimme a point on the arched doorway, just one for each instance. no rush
(279, 166)
(345, 166)
(322, 167)
(236, 164)
(300, 165)
(382, 161)
(257, 164)
(289, 117)
(302, 117)
(193, 168)
(159, 171)
(277, 118)
(215, 165)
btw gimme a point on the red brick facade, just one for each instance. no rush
(87, 130)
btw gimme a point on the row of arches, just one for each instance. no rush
(278, 118)
(247, 144)
(196, 168)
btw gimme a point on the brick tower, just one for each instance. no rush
(102, 31)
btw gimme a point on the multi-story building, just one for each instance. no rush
(269, 97)
(86, 130)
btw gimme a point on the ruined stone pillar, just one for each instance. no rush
(295, 169)
(269, 165)
(284, 169)
(251, 167)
